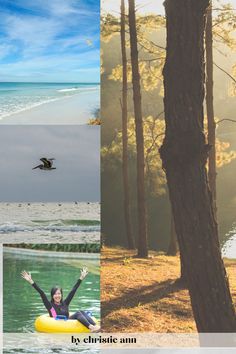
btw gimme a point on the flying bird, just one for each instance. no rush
(47, 164)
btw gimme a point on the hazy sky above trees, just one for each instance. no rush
(145, 6)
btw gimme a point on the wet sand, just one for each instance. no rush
(77, 109)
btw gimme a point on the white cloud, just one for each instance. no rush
(35, 34)
(53, 61)
(60, 8)
(6, 49)
(80, 41)
(46, 36)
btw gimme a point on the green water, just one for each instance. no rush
(22, 304)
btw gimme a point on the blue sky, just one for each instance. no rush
(50, 40)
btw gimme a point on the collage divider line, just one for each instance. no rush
(1, 297)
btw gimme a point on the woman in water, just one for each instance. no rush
(59, 307)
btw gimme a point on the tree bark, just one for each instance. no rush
(173, 250)
(142, 223)
(211, 125)
(184, 155)
(130, 238)
(173, 244)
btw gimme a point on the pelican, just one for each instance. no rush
(47, 164)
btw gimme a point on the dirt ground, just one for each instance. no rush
(142, 295)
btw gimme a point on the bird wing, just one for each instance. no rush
(36, 167)
(46, 162)
(51, 161)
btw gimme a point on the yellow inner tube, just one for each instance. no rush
(47, 324)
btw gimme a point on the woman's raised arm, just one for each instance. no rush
(27, 277)
(46, 302)
(83, 274)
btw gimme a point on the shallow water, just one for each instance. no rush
(22, 304)
(19, 97)
(50, 222)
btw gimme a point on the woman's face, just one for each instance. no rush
(57, 296)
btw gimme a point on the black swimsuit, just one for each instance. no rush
(63, 308)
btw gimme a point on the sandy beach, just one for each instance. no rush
(76, 109)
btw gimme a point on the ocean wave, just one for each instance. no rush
(2, 91)
(22, 104)
(28, 107)
(14, 228)
(81, 89)
(69, 89)
(68, 222)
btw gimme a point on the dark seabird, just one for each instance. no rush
(47, 164)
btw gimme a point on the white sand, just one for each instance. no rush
(77, 109)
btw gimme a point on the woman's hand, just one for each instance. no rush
(83, 273)
(27, 277)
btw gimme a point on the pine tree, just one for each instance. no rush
(142, 222)
(184, 154)
(130, 238)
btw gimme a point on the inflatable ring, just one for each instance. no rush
(47, 324)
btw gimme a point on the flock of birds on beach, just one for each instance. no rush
(20, 204)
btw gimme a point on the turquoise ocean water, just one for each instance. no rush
(17, 97)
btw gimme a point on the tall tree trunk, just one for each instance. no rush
(183, 276)
(184, 155)
(173, 249)
(142, 223)
(173, 244)
(210, 108)
(129, 234)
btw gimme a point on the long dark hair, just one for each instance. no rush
(53, 290)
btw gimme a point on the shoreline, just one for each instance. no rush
(79, 237)
(44, 253)
(76, 109)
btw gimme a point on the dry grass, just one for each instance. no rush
(142, 295)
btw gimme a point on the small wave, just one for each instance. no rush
(7, 90)
(27, 107)
(6, 229)
(82, 89)
(68, 222)
(69, 89)
(9, 110)
(94, 88)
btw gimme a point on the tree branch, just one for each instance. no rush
(159, 114)
(224, 71)
(226, 119)
(218, 9)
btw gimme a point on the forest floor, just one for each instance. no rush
(142, 295)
